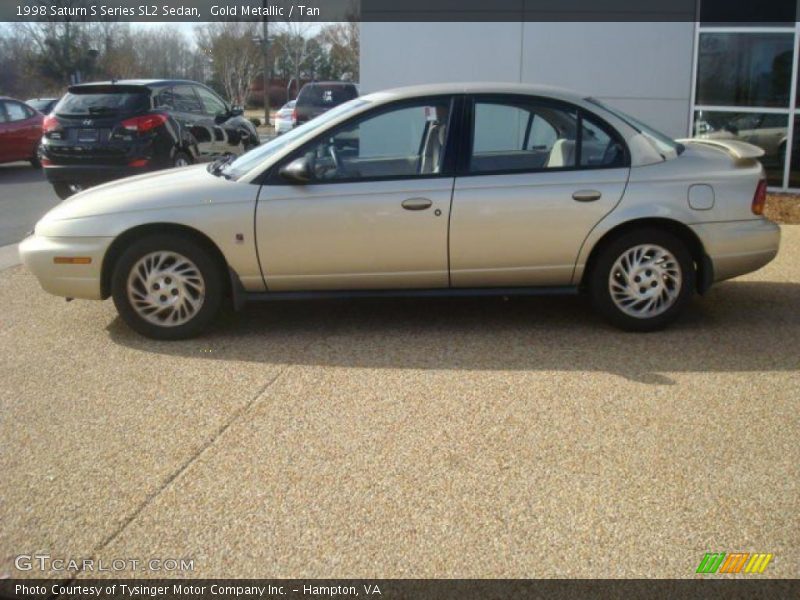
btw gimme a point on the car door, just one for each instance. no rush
(216, 113)
(189, 113)
(538, 176)
(374, 213)
(5, 134)
(21, 131)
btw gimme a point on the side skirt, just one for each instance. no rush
(413, 293)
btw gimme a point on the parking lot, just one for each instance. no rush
(446, 438)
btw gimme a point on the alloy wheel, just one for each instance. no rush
(645, 281)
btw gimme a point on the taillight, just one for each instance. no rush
(760, 198)
(144, 123)
(50, 123)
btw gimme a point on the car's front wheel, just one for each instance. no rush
(642, 280)
(167, 287)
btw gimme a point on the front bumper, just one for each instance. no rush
(38, 254)
(739, 247)
(91, 174)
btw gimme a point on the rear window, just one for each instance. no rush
(91, 102)
(321, 95)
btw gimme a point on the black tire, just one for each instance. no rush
(209, 270)
(65, 190)
(36, 163)
(601, 272)
(181, 157)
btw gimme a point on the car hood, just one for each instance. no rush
(164, 189)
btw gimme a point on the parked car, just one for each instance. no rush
(43, 105)
(767, 131)
(320, 96)
(20, 132)
(438, 190)
(284, 118)
(103, 131)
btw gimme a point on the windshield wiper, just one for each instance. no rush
(96, 110)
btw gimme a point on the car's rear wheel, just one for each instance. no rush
(167, 287)
(642, 280)
(65, 190)
(181, 159)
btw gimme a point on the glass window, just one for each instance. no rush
(164, 98)
(186, 100)
(794, 167)
(522, 136)
(212, 103)
(401, 142)
(744, 69)
(16, 112)
(598, 147)
(3, 116)
(768, 131)
(99, 100)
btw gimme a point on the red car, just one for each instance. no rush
(20, 132)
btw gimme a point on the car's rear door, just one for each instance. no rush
(5, 134)
(375, 211)
(189, 112)
(536, 177)
(18, 131)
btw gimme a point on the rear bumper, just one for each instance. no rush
(739, 247)
(70, 280)
(91, 173)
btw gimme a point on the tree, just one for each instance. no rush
(234, 54)
(342, 45)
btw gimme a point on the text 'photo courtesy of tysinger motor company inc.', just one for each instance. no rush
(397, 299)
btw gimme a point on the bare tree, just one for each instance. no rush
(342, 44)
(234, 55)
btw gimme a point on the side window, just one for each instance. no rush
(3, 116)
(598, 147)
(186, 100)
(522, 136)
(165, 98)
(212, 103)
(406, 141)
(16, 112)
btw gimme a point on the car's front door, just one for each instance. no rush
(539, 176)
(374, 213)
(189, 113)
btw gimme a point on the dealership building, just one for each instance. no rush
(730, 81)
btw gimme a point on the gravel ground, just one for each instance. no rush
(449, 438)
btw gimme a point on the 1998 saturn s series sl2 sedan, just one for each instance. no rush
(432, 190)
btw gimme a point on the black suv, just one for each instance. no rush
(317, 97)
(103, 131)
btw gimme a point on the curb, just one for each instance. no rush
(9, 256)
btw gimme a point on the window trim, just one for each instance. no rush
(472, 99)
(271, 176)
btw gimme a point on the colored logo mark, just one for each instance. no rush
(737, 562)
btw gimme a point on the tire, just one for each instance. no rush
(181, 159)
(65, 190)
(662, 290)
(36, 163)
(197, 290)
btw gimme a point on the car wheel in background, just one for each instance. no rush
(181, 159)
(65, 190)
(642, 280)
(167, 287)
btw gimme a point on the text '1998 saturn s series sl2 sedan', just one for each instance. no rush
(471, 189)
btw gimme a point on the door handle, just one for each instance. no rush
(586, 195)
(416, 203)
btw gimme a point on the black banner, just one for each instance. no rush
(398, 589)
(712, 11)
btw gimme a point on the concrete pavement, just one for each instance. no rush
(25, 196)
(447, 438)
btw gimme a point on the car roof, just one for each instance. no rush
(479, 88)
(142, 82)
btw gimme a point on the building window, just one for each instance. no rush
(743, 86)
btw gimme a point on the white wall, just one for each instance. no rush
(644, 69)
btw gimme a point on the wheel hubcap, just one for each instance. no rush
(645, 281)
(166, 288)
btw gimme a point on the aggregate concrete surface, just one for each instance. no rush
(413, 438)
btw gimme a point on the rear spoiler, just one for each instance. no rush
(107, 88)
(737, 149)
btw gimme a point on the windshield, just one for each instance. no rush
(664, 145)
(40, 105)
(92, 103)
(246, 162)
(321, 95)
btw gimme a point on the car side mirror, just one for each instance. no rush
(237, 111)
(298, 171)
